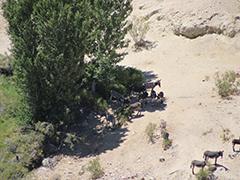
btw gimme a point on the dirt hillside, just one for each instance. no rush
(193, 40)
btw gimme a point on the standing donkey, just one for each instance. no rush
(152, 85)
(149, 85)
(212, 154)
(197, 163)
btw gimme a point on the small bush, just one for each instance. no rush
(203, 174)
(150, 131)
(123, 115)
(12, 102)
(123, 80)
(5, 60)
(227, 84)
(138, 31)
(167, 143)
(70, 141)
(127, 79)
(21, 153)
(11, 170)
(29, 148)
(122, 120)
(226, 135)
(101, 104)
(12, 142)
(95, 169)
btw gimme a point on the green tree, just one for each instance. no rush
(108, 31)
(51, 39)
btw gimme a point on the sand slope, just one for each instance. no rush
(195, 114)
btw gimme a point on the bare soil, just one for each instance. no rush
(195, 114)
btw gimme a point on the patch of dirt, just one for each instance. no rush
(192, 19)
(193, 107)
(4, 40)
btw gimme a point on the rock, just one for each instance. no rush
(141, 7)
(49, 162)
(162, 159)
(81, 172)
(195, 24)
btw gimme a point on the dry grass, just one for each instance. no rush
(227, 84)
(95, 168)
(226, 135)
(203, 174)
(150, 131)
(138, 31)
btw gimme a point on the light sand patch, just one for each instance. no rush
(193, 107)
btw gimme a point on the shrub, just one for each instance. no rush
(11, 170)
(95, 168)
(150, 130)
(227, 83)
(124, 79)
(226, 135)
(70, 140)
(101, 104)
(138, 31)
(9, 96)
(21, 153)
(203, 174)
(123, 114)
(167, 143)
(9, 123)
(5, 60)
(129, 77)
(25, 148)
(29, 148)
(12, 101)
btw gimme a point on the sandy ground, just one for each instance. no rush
(4, 40)
(195, 114)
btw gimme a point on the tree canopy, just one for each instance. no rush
(62, 47)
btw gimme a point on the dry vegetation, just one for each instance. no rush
(138, 31)
(226, 135)
(95, 168)
(150, 131)
(227, 83)
(203, 174)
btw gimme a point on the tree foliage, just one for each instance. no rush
(51, 40)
